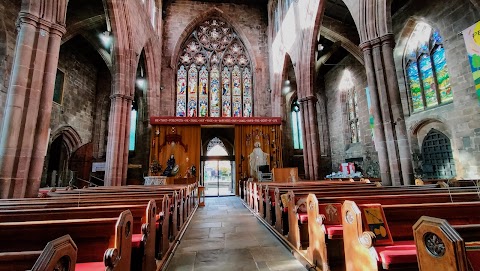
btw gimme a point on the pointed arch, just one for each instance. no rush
(219, 66)
(213, 12)
(153, 69)
(71, 138)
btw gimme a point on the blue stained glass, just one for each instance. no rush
(415, 88)
(443, 78)
(429, 87)
(436, 37)
(133, 125)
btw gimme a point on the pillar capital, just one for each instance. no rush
(307, 99)
(121, 96)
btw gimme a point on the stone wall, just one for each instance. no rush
(250, 22)
(336, 103)
(77, 107)
(8, 36)
(459, 120)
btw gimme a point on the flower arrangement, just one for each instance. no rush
(155, 167)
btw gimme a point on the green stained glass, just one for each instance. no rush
(429, 87)
(415, 88)
(443, 78)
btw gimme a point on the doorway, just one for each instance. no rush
(218, 162)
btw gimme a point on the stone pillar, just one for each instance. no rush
(305, 132)
(390, 132)
(385, 109)
(117, 146)
(398, 118)
(379, 134)
(24, 138)
(314, 141)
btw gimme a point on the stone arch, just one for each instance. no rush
(214, 12)
(373, 20)
(419, 130)
(353, 49)
(153, 79)
(71, 138)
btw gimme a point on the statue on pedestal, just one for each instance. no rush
(170, 165)
(257, 158)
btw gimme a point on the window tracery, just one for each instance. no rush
(426, 69)
(218, 63)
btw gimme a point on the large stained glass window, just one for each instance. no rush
(297, 126)
(426, 69)
(214, 74)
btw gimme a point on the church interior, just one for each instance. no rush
(263, 134)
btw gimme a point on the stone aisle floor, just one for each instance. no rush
(225, 236)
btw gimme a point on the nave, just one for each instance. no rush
(224, 235)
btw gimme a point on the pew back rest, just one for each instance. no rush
(437, 244)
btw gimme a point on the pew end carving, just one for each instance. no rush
(317, 249)
(439, 246)
(58, 254)
(358, 244)
(119, 257)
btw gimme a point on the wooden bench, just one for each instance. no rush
(372, 243)
(441, 246)
(102, 242)
(60, 253)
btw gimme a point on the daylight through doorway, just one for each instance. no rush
(218, 170)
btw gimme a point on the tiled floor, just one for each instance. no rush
(225, 236)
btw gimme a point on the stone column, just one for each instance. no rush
(398, 118)
(25, 127)
(385, 109)
(314, 141)
(117, 146)
(305, 132)
(379, 134)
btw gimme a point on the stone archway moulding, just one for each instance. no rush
(70, 136)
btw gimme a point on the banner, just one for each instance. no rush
(471, 36)
(214, 120)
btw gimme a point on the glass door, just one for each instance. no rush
(218, 178)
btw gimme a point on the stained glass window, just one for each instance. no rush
(352, 105)
(219, 77)
(297, 126)
(426, 69)
(133, 126)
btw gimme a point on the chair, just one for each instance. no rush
(264, 174)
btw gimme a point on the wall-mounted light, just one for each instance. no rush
(320, 47)
(106, 39)
(162, 88)
(269, 90)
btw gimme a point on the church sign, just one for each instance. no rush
(214, 121)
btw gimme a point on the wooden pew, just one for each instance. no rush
(58, 254)
(157, 236)
(107, 237)
(383, 245)
(441, 246)
(324, 219)
(296, 208)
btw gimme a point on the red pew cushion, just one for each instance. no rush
(136, 240)
(473, 254)
(402, 252)
(303, 217)
(334, 231)
(94, 266)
